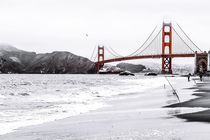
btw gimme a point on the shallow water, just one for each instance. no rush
(34, 99)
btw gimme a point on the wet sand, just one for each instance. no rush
(202, 91)
(135, 116)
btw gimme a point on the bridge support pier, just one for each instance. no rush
(201, 62)
(167, 48)
(100, 62)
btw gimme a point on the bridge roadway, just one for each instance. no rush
(147, 57)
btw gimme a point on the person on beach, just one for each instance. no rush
(188, 77)
(201, 77)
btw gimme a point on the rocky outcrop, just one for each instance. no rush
(14, 60)
(131, 67)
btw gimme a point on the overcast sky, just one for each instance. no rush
(49, 25)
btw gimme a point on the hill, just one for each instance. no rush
(14, 60)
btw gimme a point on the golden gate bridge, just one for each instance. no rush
(164, 43)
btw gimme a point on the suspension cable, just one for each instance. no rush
(183, 40)
(93, 53)
(111, 52)
(144, 42)
(150, 42)
(95, 58)
(115, 51)
(189, 38)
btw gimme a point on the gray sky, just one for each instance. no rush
(48, 25)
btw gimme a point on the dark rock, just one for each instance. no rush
(24, 94)
(126, 73)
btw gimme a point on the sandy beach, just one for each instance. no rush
(135, 116)
(202, 90)
(104, 70)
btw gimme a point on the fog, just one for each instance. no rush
(79, 25)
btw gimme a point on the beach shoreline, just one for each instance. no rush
(134, 116)
(202, 91)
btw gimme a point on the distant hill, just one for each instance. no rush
(131, 67)
(14, 60)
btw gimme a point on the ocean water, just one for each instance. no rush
(34, 99)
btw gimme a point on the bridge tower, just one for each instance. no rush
(167, 48)
(100, 63)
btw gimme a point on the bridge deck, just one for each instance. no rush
(147, 57)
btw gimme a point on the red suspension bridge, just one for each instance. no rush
(165, 43)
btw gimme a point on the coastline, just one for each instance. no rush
(135, 116)
(202, 91)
